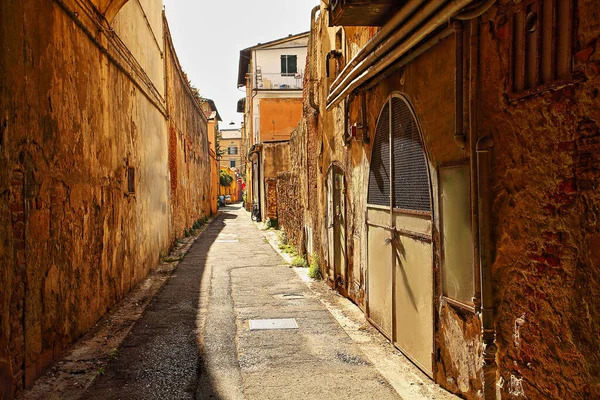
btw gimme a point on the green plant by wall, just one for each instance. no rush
(225, 178)
(314, 270)
(288, 249)
(282, 238)
(299, 262)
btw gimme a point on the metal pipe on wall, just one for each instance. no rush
(311, 97)
(378, 65)
(387, 44)
(484, 150)
(391, 26)
(473, 136)
(375, 70)
(459, 134)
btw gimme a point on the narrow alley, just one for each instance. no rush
(194, 340)
(315, 199)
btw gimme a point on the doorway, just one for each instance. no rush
(399, 241)
(336, 228)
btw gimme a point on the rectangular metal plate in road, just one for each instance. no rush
(282, 323)
(226, 241)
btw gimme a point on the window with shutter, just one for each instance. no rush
(379, 175)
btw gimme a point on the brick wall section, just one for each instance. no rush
(17, 304)
(271, 191)
(290, 206)
(173, 158)
(546, 199)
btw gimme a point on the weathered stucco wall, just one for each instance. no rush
(189, 159)
(279, 117)
(428, 83)
(545, 217)
(545, 199)
(75, 237)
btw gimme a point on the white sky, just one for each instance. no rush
(208, 37)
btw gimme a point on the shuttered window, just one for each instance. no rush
(410, 175)
(379, 176)
(289, 65)
(411, 180)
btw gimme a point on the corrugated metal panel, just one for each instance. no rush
(411, 181)
(379, 176)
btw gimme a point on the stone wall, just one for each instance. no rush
(84, 174)
(545, 198)
(290, 207)
(546, 204)
(271, 211)
(189, 156)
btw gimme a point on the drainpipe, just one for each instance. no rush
(376, 62)
(484, 149)
(311, 97)
(459, 134)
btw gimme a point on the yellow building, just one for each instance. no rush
(231, 145)
(212, 115)
(234, 189)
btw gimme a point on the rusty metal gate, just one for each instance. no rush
(399, 224)
(336, 227)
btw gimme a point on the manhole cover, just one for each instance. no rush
(281, 323)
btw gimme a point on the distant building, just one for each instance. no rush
(231, 145)
(273, 75)
(212, 115)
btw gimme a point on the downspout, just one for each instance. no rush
(257, 149)
(259, 217)
(484, 149)
(459, 134)
(311, 97)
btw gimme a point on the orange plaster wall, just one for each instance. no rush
(278, 118)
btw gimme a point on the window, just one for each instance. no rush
(232, 150)
(457, 237)
(289, 65)
(541, 47)
(232, 163)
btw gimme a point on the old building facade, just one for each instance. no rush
(272, 74)
(231, 144)
(103, 162)
(446, 172)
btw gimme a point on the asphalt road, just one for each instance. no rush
(194, 341)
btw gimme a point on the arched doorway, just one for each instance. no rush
(399, 226)
(336, 228)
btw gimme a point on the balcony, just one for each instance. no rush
(278, 81)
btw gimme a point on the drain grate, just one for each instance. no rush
(281, 323)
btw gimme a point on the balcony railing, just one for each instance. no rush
(278, 81)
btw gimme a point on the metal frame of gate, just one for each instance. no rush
(391, 227)
(329, 175)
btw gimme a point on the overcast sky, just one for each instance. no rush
(208, 37)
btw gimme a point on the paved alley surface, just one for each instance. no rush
(231, 275)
